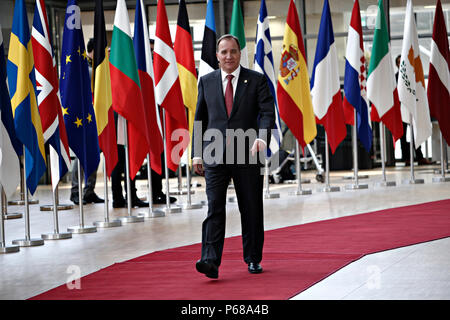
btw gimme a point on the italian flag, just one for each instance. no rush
(237, 30)
(126, 88)
(381, 86)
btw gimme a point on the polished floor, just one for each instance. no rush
(414, 272)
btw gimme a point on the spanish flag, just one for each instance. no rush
(184, 53)
(22, 86)
(104, 113)
(293, 91)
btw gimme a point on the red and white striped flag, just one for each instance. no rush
(439, 76)
(168, 90)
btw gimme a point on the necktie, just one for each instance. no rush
(229, 94)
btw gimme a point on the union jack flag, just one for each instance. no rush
(48, 96)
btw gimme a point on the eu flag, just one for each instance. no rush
(22, 89)
(76, 94)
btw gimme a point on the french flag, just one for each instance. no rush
(325, 85)
(355, 79)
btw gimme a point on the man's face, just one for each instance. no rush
(229, 55)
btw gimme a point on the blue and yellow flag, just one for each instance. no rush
(22, 89)
(76, 94)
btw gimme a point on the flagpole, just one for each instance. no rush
(106, 223)
(27, 241)
(81, 228)
(168, 208)
(5, 213)
(384, 182)
(3, 247)
(327, 187)
(129, 218)
(355, 185)
(21, 202)
(267, 193)
(442, 178)
(298, 169)
(412, 179)
(56, 235)
(152, 213)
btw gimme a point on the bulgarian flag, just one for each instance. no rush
(126, 88)
(439, 75)
(293, 91)
(237, 30)
(381, 86)
(168, 91)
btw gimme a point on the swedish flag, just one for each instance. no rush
(22, 89)
(76, 93)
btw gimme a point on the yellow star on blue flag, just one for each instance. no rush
(76, 94)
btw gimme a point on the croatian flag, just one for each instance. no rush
(325, 85)
(355, 78)
(264, 64)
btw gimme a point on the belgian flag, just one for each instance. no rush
(102, 91)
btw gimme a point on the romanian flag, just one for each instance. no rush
(168, 90)
(293, 92)
(184, 52)
(104, 113)
(126, 88)
(22, 86)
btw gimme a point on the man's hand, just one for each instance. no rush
(198, 167)
(258, 145)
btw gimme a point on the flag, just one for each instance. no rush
(168, 89)
(48, 97)
(101, 78)
(355, 79)
(208, 60)
(76, 94)
(184, 53)
(264, 64)
(439, 77)
(22, 90)
(10, 146)
(325, 84)
(381, 87)
(293, 93)
(141, 42)
(237, 30)
(126, 88)
(411, 81)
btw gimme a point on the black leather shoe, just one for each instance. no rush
(254, 267)
(75, 200)
(209, 269)
(93, 198)
(139, 203)
(161, 199)
(119, 204)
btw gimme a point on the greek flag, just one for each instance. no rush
(264, 64)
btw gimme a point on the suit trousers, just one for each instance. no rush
(248, 183)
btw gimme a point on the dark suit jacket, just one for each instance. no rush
(253, 108)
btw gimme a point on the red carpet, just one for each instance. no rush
(294, 259)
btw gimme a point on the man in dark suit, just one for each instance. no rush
(236, 107)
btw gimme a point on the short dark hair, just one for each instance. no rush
(228, 36)
(90, 45)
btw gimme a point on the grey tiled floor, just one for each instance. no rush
(414, 272)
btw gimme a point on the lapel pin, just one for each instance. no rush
(245, 81)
